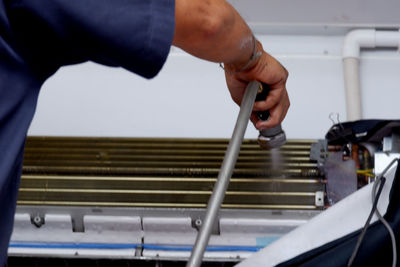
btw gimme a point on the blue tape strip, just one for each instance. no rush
(52, 245)
(265, 241)
(189, 248)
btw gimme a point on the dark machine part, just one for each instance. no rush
(371, 131)
(273, 137)
(359, 140)
(346, 156)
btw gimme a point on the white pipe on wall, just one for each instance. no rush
(353, 88)
(353, 42)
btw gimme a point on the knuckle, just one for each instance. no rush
(286, 72)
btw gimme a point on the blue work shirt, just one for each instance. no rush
(37, 37)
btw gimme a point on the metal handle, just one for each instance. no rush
(224, 175)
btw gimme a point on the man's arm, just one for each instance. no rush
(214, 30)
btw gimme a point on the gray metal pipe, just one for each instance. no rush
(224, 175)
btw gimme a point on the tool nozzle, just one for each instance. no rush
(272, 138)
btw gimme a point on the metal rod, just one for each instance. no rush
(163, 205)
(224, 175)
(166, 179)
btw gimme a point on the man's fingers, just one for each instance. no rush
(254, 119)
(273, 98)
(277, 114)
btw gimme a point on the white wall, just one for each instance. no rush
(189, 97)
(338, 13)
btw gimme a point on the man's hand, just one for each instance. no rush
(214, 30)
(268, 70)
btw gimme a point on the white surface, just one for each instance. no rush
(264, 227)
(382, 160)
(327, 13)
(98, 229)
(181, 225)
(189, 97)
(75, 253)
(102, 224)
(347, 216)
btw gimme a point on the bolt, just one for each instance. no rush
(198, 222)
(38, 221)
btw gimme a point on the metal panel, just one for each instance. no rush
(176, 173)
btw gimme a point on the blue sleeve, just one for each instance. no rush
(39, 36)
(133, 34)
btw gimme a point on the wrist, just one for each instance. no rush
(245, 65)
